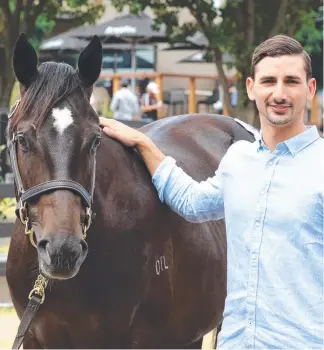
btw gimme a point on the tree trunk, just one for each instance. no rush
(279, 21)
(7, 77)
(7, 82)
(250, 24)
(224, 81)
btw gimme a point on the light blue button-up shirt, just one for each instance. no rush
(273, 208)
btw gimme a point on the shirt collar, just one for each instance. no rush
(294, 144)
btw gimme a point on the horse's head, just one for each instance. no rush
(53, 135)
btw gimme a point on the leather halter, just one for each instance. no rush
(25, 195)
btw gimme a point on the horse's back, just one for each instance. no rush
(198, 142)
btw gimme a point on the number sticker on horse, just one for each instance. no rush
(160, 265)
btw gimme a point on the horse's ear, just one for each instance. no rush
(24, 61)
(90, 61)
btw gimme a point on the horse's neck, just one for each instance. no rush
(128, 211)
(119, 162)
(124, 189)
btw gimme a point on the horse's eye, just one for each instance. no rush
(23, 142)
(96, 142)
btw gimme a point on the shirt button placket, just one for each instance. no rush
(253, 269)
(252, 282)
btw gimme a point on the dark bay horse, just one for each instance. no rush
(143, 277)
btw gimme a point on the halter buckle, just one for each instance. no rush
(23, 212)
(87, 221)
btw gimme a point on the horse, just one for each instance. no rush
(135, 274)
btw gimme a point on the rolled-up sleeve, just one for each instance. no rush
(194, 201)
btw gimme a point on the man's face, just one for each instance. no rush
(280, 89)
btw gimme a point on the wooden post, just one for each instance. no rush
(159, 83)
(192, 95)
(314, 112)
(115, 83)
(225, 111)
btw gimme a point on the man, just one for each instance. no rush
(271, 195)
(150, 103)
(124, 103)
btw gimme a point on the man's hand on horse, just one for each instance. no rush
(121, 132)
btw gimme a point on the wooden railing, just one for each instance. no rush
(158, 77)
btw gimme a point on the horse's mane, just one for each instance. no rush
(54, 82)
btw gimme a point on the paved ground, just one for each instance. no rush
(8, 327)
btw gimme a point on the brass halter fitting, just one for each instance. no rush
(23, 212)
(29, 231)
(39, 288)
(87, 222)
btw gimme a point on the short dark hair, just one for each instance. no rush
(280, 45)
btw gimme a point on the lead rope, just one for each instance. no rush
(36, 298)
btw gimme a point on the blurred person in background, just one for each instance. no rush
(150, 102)
(124, 103)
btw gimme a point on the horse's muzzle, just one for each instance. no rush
(61, 255)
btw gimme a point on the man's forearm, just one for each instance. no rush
(152, 156)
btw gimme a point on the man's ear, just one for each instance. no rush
(311, 89)
(24, 62)
(250, 88)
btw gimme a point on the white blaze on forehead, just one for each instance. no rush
(62, 119)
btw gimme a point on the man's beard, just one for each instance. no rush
(279, 119)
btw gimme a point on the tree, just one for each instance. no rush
(236, 27)
(36, 19)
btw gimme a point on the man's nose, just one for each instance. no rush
(279, 93)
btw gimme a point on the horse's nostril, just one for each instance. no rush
(43, 244)
(84, 246)
(43, 249)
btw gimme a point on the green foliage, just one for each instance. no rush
(36, 19)
(43, 26)
(310, 33)
(82, 10)
(44, 14)
(7, 208)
